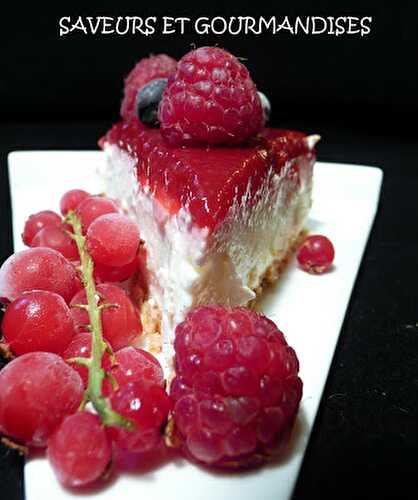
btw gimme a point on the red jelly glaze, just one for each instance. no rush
(206, 180)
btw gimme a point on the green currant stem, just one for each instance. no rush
(98, 345)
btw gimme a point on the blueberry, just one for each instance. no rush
(265, 103)
(147, 101)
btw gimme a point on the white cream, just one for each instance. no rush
(186, 265)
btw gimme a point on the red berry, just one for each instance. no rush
(37, 390)
(38, 269)
(211, 99)
(126, 461)
(121, 324)
(80, 347)
(38, 221)
(58, 239)
(79, 450)
(236, 389)
(71, 199)
(133, 365)
(316, 254)
(38, 321)
(147, 69)
(113, 240)
(147, 406)
(113, 273)
(93, 207)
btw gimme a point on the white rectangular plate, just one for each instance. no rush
(309, 309)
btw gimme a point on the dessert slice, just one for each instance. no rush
(216, 222)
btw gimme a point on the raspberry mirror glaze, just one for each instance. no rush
(206, 180)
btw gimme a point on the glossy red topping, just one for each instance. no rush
(206, 180)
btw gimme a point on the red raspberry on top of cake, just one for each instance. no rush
(217, 221)
(211, 99)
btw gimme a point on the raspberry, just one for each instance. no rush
(236, 391)
(211, 99)
(146, 69)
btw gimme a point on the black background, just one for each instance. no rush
(365, 79)
(361, 95)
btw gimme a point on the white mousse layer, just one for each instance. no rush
(187, 265)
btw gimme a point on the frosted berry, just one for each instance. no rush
(121, 323)
(147, 406)
(71, 199)
(236, 391)
(211, 99)
(57, 238)
(38, 269)
(93, 207)
(132, 365)
(38, 221)
(80, 347)
(113, 240)
(115, 273)
(79, 450)
(147, 69)
(37, 390)
(38, 321)
(316, 254)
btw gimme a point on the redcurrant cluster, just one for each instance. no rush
(68, 325)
